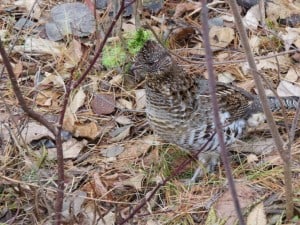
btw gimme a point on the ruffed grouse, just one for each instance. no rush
(179, 108)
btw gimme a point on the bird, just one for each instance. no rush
(179, 110)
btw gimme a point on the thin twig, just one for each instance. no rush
(31, 113)
(16, 36)
(269, 117)
(295, 123)
(69, 87)
(257, 58)
(163, 182)
(110, 29)
(216, 110)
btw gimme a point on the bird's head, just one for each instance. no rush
(152, 60)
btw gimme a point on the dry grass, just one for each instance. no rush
(117, 184)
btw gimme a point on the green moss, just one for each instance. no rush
(136, 40)
(113, 56)
(270, 24)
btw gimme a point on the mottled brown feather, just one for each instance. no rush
(179, 108)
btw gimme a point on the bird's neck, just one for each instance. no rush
(169, 82)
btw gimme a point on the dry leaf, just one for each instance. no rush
(252, 158)
(227, 18)
(4, 35)
(73, 54)
(40, 46)
(293, 74)
(182, 8)
(103, 104)
(197, 49)
(34, 131)
(72, 204)
(5, 130)
(43, 99)
(140, 98)
(222, 56)
(124, 104)
(280, 61)
(69, 120)
(120, 133)
(225, 208)
(31, 6)
(136, 148)
(123, 120)
(117, 80)
(90, 216)
(46, 97)
(257, 216)
(151, 140)
(252, 18)
(212, 218)
(87, 130)
(286, 88)
(225, 77)
(99, 187)
(182, 33)
(135, 182)
(108, 219)
(129, 27)
(256, 146)
(273, 159)
(77, 101)
(290, 37)
(279, 9)
(255, 44)
(56, 80)
(71, 149)
(247, 85)
(296, 57)
(18, 69)
(112, 151)
(152, 222)
(220, 37)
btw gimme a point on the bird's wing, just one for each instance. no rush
(236, 101)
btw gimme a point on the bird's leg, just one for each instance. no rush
(208, 162)
(196, 175)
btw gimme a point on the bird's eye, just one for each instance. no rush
(152, 62)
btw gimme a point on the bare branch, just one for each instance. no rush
(34, 115)
(163, 182)
(110, 29)
(285, 155)
(216, 110)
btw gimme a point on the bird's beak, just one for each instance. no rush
(134, 67)
(134, 70)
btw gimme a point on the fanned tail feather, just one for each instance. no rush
(290, 102)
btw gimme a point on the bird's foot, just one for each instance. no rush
(208, 162)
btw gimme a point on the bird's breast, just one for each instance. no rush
(188, 121)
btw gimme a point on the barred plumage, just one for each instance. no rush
(179, 108)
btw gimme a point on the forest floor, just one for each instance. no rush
(112, 159)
